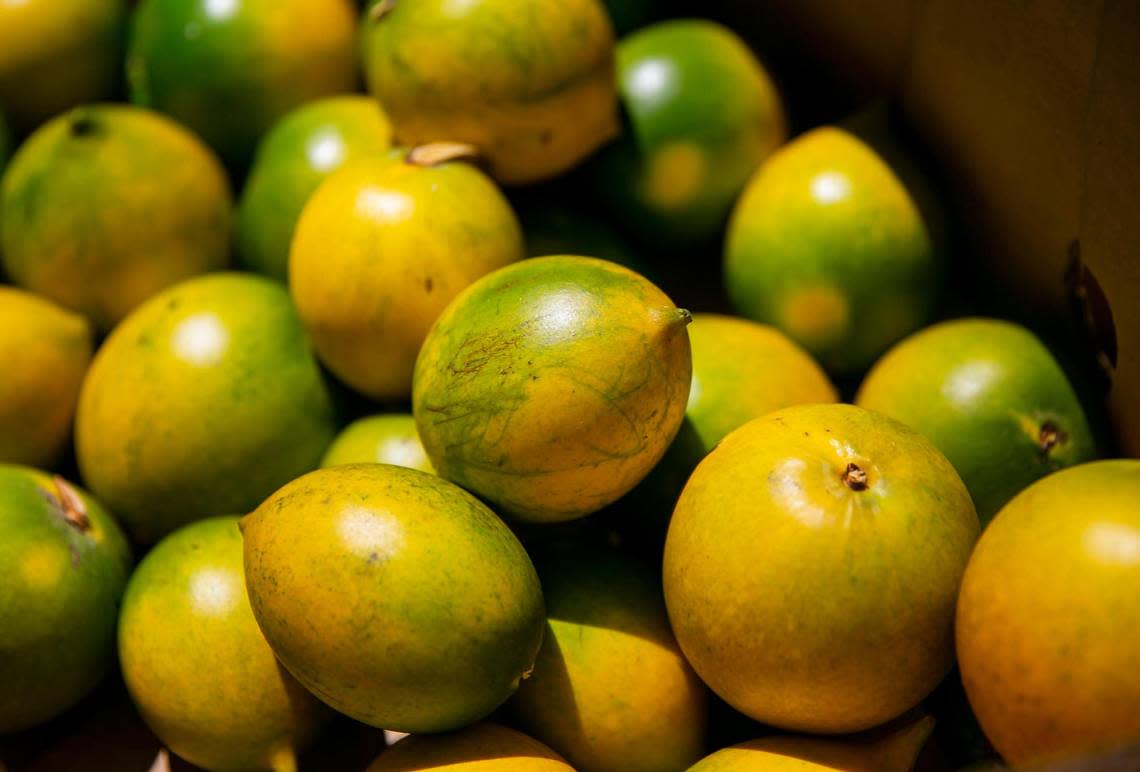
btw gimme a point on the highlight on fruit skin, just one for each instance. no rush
(484, 747)
(390, 438)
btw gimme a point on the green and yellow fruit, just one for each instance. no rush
(380, 439)
(480, 748)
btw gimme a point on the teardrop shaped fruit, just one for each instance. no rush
(527, 82)
(827, 244)
(64, 562)
(991, 397)
(610, 688)
(109, 204)
(203, 401)
(298, 153)
(394, 596)
(381, 249)
(198, 667)
(812, 566)
(551, 387)
(703, 115)
(57, 55)
(380, 439)
(480, 748)
(45, 350)
(1048, 627)
(229, 69)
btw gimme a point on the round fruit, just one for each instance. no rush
(229, 69)
(812, 565)
(527, 82)
(381, 249)
(480, 748)
(1049, 617)
(827, 244)
(64, 562)
(610, 689)
(991, 397)
(196, 664)
(380, 439)
(45, 350)
(393, 595)
(551, 387)
(107, 205)
(301, 150)
(203, 401)
(703, 114)
(56, 55)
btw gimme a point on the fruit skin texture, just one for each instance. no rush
(299, 153)
(610, 688)
(203, 401)
(196, 664)
(56, 55)
(551, 387)
(394, 596)
(380, 439)
(109, 204)
(246, 64)
(991, 397)
(828, 245)
(45, 350)
(802, 601)
(381, 249)
(480, 748)
(59, 598)
(530, 83)
(703, 115)
(1048, 626)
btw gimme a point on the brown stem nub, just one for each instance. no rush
(686, 316)
(437, 153)
(380, 10)
(854, 477)
(74, 510)
(1050, 437)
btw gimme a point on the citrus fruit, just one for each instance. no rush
(292, 160)
(480, 748)
(1048, 627)
(380, 439)
(381, 249)
(552, 386)
(991, 397)
(812, 566)
(204, 401)
(529, 83)
(394, 596)
(109, 204)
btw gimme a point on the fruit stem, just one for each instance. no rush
(380, 10)
(74, 510)
(437, 153)
(854, 477)
(1050, 437)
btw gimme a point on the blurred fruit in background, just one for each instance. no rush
(380, 439)
(991, 397)
(65, 563)
(298, 153)
(45, 350)
(229, 69)
(480, 748)
(204, 401)
(527, 82)
(380, 250)
(1049, 613)
(107, 205)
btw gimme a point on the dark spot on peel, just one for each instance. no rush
(429, 285)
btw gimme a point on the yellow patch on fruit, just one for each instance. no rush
(676, 175)
(816, 315)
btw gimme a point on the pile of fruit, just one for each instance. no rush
(338, 382)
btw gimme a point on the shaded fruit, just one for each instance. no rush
(553, 229)
(394, 596)
(196, 664)
(827, 244)
(381, 249)
(229, 69)
(551, 387)
(64, 562)
(203, 401)
(529, 83)
(480, 748)
(380, 439)
(1048, 627)
(703, 114)
(45, 350)
(610, 689)
(991, 397)
(300, 151)
(812, 566)
(109, 204)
